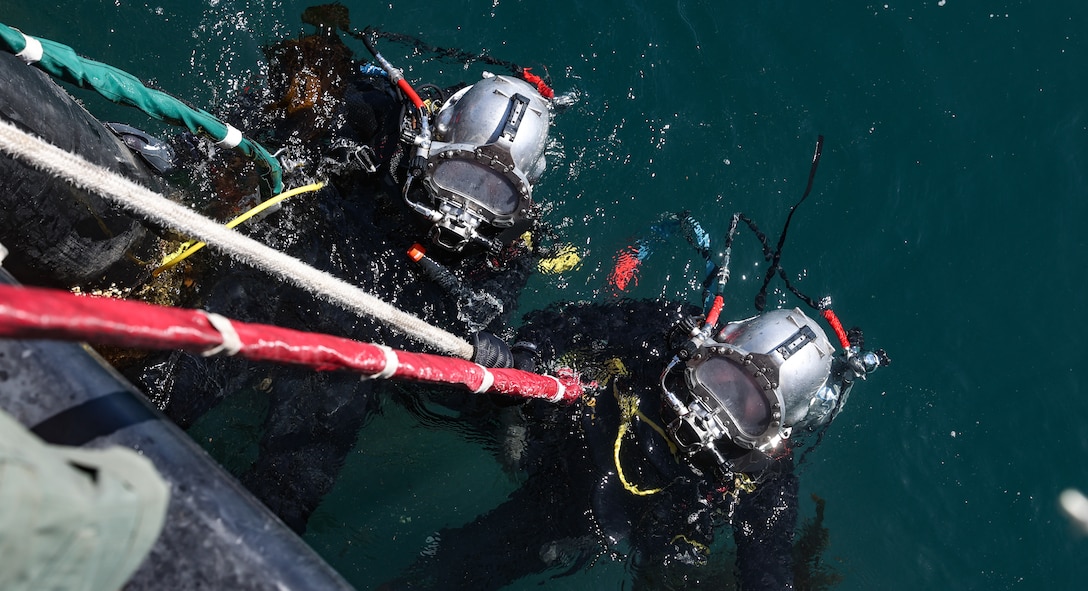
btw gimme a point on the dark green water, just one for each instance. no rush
(945, 220)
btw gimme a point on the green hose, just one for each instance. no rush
(62, 62)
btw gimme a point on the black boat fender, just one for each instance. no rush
(61, 235)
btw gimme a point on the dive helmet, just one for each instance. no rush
(746, 388)
(479, 166)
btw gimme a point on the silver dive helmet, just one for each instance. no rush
(479, 167)
(745, 389)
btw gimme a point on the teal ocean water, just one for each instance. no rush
(946, 220)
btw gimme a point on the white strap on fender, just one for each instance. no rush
(233, 138)
(486, 383)
(33, 52)
(391, 364)
(231, 344)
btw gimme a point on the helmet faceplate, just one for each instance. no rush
(747, 387)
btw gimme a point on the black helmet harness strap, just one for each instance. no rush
(761, 297)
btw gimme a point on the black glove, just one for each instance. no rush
(490, 351)
(525, 356)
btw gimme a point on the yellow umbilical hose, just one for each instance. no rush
(188, 248)
(628, 411)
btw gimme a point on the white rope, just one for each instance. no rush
(232, 343)
(128, 194)
(392, 364)
(486, 383)
(32, 52)
(232, 139)
(560, 390)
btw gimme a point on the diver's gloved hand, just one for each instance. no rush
(489, 350)
(525, 356)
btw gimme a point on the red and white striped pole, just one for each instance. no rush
(34, 313)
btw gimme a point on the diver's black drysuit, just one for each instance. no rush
(573, 506)
(358, 229)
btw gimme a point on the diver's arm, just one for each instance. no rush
(763, 528)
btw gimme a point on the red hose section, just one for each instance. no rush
(541, 86)
(410, 93)
(833, 320)
(33, 313)
(715, 310)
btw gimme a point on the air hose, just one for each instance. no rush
(761, 297)
(62, 62)
(395, 74)
(456, 54)
(190, 247)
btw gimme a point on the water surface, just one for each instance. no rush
(946, 220)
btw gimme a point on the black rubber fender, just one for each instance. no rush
(59, 235)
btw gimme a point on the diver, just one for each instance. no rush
(454, 172)
(693, 427)
(454, 167)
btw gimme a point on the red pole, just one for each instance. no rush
(33, 313)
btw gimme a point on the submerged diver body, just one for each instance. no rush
(455, 175)
(680, 440)
(693, 427)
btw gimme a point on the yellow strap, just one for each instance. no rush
(613, 368)
(631, 488)
(744, 482)
(660, 431)
(190, 247)
(628, 410)
(703, 548)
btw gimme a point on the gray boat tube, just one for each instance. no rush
(217, 535)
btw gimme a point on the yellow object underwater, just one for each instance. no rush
(628, 404)
(190, 247)
(564, 260)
